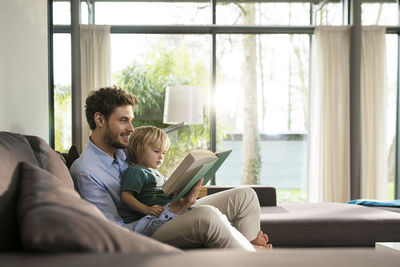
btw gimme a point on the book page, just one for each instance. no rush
(206, 171)
(186, 170)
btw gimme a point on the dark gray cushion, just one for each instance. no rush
(53, 218)
(71, 156)
(266, 195)
(329, 225)
(13, 149)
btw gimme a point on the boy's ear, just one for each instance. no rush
(99, 119)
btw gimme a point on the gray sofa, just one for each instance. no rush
(329, 225)
(323, 224)
(44, 222)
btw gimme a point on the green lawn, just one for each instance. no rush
(298, 196)
(291, 195)
(390, 190)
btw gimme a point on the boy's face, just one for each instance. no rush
(119, 127)
(152, 157)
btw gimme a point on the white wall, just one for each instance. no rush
(24, 67)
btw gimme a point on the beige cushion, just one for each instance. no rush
(53, 218)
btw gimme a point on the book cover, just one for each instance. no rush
(196, 165)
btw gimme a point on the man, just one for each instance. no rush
(109, 112)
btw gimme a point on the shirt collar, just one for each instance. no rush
(104, 157)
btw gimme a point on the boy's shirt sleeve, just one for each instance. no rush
(133, 180)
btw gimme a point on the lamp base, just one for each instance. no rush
(170, 129)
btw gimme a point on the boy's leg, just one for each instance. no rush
(241, 206)
(202, 226)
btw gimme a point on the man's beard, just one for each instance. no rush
(112, 139)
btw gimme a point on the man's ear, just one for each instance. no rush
(99, 119)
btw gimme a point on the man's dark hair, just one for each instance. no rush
(105, 100)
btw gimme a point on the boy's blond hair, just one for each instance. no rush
(143, 137)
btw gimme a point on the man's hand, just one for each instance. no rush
(155, 210)
(186, 202)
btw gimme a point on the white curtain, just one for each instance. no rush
(373, 126)
(95, 45)
(329, 138)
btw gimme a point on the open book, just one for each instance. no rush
(197, 164)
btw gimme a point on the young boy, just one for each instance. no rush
(141, 187)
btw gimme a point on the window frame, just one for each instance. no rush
(351, 16)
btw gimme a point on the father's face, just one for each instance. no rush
(118, 127)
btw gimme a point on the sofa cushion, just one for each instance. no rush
(71, 156)
(53, 218)
(9, 233)
(329, 225)
(13, 149)
(266, 195)
(49, 160)
(310, 257)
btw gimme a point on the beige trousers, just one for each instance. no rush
(228, 219)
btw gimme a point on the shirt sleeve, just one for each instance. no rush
(95, 193)
(133, 180)
(150, 223)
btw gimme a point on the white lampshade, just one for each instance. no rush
(183, 104)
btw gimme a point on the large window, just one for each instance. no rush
(62, 74)
(252, 57)
(153, 13)
(150, 63)
(281, 13)
(262, 110)
(62, 91)
(380, 12)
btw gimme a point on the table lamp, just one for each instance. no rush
(183, 106)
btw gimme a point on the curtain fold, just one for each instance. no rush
(95, 46)
(373, 117)
(329, 138)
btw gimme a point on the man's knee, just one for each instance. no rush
(246, 193)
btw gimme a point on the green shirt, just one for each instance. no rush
(146, 186)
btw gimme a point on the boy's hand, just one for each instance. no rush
(155, 210)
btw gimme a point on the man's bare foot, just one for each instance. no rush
(261, 241)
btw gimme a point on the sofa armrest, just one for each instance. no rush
(266, 195)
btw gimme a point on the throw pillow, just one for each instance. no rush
(71, 156)
(53, 218)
